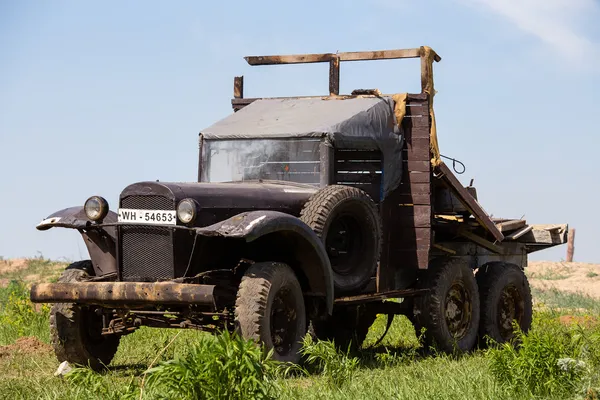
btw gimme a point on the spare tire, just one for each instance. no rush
(348, 223)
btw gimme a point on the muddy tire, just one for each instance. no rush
(270, 309)
(348, 223)
(449, 312)
(505, 297)
(75, 331)
(347, 327)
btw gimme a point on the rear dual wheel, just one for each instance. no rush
(505, 299)
(449, 312)
(461, 310)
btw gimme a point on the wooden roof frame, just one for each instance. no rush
(334, 60)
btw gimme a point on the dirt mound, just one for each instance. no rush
(569, 277)
(25, 345)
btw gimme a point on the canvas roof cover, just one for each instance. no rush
(350, 123)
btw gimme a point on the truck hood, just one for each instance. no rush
(219, 201)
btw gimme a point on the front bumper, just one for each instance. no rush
(125, 294)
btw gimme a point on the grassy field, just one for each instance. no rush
(560, 358)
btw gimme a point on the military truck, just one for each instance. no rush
(309, 214)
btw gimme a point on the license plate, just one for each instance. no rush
(155, 217)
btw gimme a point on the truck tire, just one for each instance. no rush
(270, 309)
(449, 312)
(347, 327)
(505, 297)
(348, 223)
(75, 330)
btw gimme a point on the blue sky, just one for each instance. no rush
(97, 95)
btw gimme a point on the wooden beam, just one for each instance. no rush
(480, 241)
(469, 202)
(325, 57)
(446, 249)
(519, 233)
(511, 225)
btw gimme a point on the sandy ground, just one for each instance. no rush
(16, 264)
(569, 277)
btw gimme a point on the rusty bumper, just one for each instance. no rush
(124, 293)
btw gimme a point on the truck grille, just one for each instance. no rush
(146, 251)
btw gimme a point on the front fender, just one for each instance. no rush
(253, 225)
(100, 241)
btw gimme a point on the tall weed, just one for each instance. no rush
(551, 360)
(324, 358)
(227, 367)
(19, 316)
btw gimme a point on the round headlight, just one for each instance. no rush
(96, 208)
(187, 210)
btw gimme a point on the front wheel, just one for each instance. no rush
(270, 309)
(76, 331)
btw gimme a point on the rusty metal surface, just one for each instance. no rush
(124, 293)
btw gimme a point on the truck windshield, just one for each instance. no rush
(295, 160)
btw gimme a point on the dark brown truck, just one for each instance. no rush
(308, 213)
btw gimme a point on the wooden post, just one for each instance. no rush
(570, 245)
(334, 76)
(238, 87)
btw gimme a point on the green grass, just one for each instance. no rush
(396, 368)
(566, 302)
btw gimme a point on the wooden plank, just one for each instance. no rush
(519, 233)
(325, 57)
(414, 188)
(469, 202)
(370, 166)
(480, 241)
(511, 225)
(444, 249)
(541, 235)
(358, 155)
(409, 237)
(420, 154)
(414, 199)
(358, 178)
(418, 177)
(416, 165)
(415, 144)
(417, 216)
